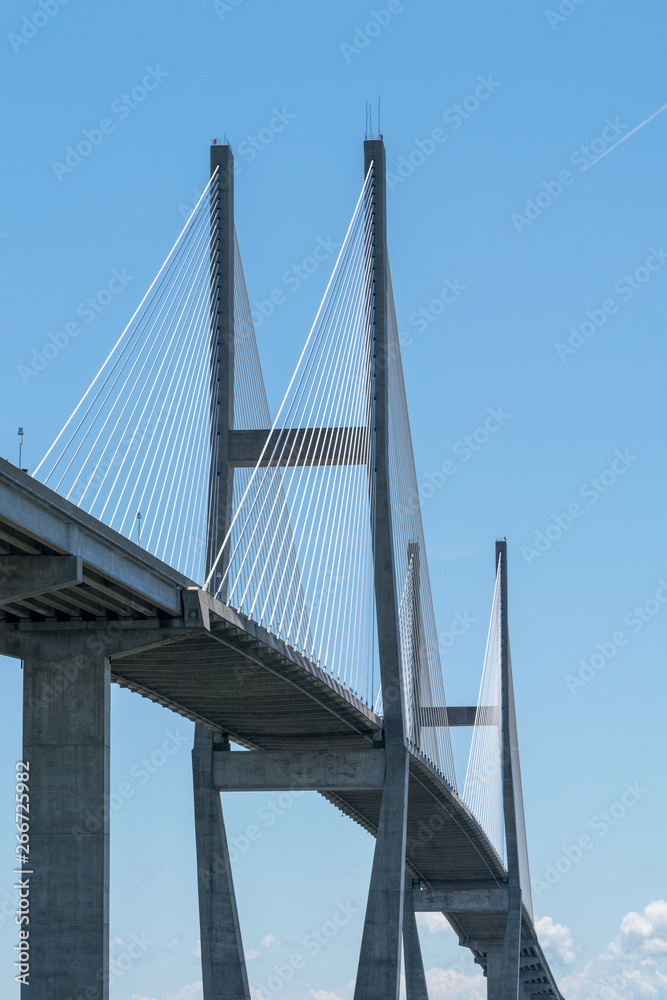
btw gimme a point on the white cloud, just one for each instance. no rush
(556, 940)
(193, 991)
(116, 945)
(322, 995)
(627, 968)
(453, 985)
(647, 931)
(196, 951)
(252, 954)
(434, 923)
(268, 941)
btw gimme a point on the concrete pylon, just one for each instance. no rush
(221, 356)
(379, 971)
(413, 963)
(503, 978)
(224, 973)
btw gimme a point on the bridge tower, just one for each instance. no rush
(386, 928)
(224, 973)
(503, 968)
(379, 972)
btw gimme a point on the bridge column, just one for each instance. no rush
(505, 981)
(223, 964)
(415, 977)
(66, 697)
(379, 972)
(221, 474)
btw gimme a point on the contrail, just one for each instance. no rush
(631, 132)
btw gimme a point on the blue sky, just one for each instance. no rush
(560, 89)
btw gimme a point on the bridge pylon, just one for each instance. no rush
(379, 970)
(224, 973)
(503, 968)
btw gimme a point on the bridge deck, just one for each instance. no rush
(232, 675)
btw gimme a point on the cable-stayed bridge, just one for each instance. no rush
(279, 598)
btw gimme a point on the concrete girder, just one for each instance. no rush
(300, 446)
(460, 900)
(309, 770)
(32, 576)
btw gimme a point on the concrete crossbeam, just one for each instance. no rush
(459, 715)
(301, 446)
(327, 770)
(30, 576)
(459, 900)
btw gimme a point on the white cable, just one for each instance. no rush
(129, 326)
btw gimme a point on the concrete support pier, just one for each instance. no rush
(223, 963)
(66, 743)
(413, 963)
(379, 973)
(503, 981)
